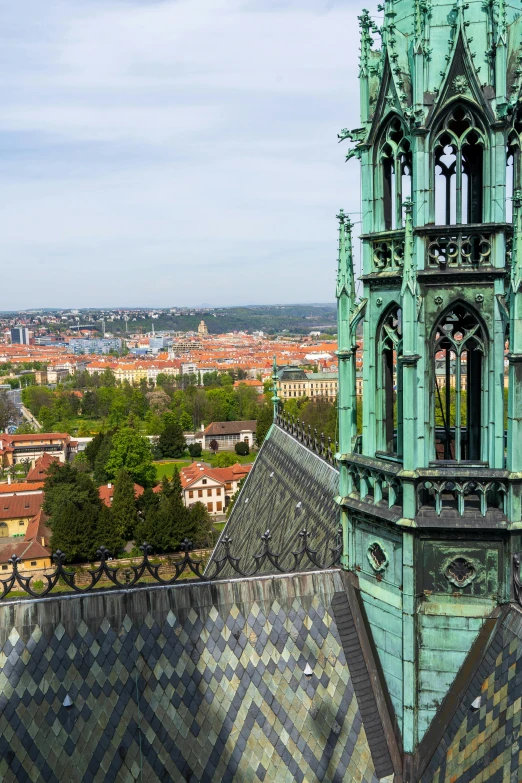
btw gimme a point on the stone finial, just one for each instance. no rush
(345, 271)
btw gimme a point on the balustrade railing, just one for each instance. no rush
(467, 248)
(372, 484)
(388, 252)
(325, 448)
(108, 574)
(462, 494)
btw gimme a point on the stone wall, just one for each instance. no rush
(196, 682)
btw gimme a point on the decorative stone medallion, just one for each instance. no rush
(460, 572)
(377, 556)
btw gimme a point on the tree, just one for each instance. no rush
(101, 459)
(185, 420)
(247, 402)
(81, 462)
(74, 507)
(166, 525)
(214, 446)
(34, 397)
(235, 496)
(171, 442)
(147, 502)
(195, 450)
(131, 451)
(26, 429)
(201, 524)
(264, 421)
(223, 460)
(92, 448)
(8, 411)
(119, 408)
(110, 532)
(46, 419)
(123, 508)
(158, 400)
(242, 449)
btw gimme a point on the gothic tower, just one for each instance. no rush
(430, 487)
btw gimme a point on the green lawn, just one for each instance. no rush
(219, 526)
(208, 456)
(92, 425)
(167, 468)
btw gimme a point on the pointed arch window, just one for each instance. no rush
(389, 382)
(459, 161)
(459, 352)
(396, 172)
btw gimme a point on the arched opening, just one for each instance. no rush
(389, 349)
(459, 350)
(458, 153)
(395, 172)
(4, 530)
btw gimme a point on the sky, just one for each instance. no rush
(174, 152)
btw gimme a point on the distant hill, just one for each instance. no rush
(274, 319)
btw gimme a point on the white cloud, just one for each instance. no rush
(141, 141)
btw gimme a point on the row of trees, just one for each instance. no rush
(81, 523)
(100, 397)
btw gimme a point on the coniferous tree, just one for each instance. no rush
(166, 525)
(109, 531)
(265, 418)
(101, 458)
(171, 442)
(92, 448)
(123, 508)
(74, 507)
(145, 502)
(184, 525)
(74, 529)
(202, 528)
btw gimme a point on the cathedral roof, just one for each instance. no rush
(288, 489)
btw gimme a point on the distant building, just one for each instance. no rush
(186, 345)
(38, 472)
(295, 382)
(57, 374)
(32, 547)
(17, 448)
(40, 377)
(202, 329)
(16, 511)
(211, 486)
(228, 433)
(20, 335)
(156, 344)
(253, 383)
(98, 345)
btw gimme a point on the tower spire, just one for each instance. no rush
(275, 398)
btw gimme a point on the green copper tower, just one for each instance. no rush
(430, 488)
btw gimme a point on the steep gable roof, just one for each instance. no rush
(19, 506)
(230, 427)
(25, 550)
(41, 466)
